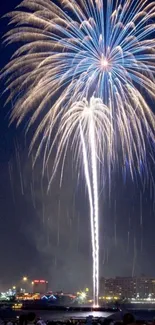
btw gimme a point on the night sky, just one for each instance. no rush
(48, 235)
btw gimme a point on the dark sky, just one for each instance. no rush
(48, 235)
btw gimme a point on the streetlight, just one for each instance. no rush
(14, 287)
(25, 278)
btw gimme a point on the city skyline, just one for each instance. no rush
(116, 288)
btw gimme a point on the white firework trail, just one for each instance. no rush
(93, 202)
(96, 210)
(88, 182)
(88, 127)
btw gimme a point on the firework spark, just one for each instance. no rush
(87, 116)
(88, 125)
(75, 49)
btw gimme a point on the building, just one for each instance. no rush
(128, 287)
(40, 286)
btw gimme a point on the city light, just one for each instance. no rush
(25, 278)
(83, 295)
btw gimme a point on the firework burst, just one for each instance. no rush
(78, 52)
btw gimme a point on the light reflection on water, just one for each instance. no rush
(49, 315)
(139, 314)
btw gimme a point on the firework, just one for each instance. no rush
(89, 125)
(70, 51)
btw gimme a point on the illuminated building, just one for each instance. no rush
(40, 286)
(28, 296)
(128, 287)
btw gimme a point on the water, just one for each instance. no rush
(57, 314)
(51, 315)
(139, 314)
(143, 314)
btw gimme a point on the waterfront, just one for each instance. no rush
(49, 315)
(55, 315)
(139, 313)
